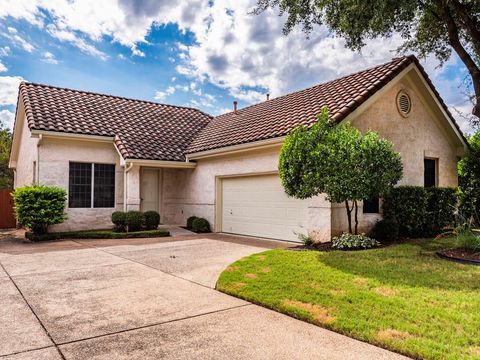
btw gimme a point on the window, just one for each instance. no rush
(371, 206)
(430, 172)
(91, 184)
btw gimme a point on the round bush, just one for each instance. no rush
(385, 230)
(190, 222)
(200, 225)
(119, 219)
(135, 220)
(353, 242)
(152, 219)
(37, 207)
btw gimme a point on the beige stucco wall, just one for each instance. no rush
(421, 134)
(193, 192)
(27, 153)
(55, 155)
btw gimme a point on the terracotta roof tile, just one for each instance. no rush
(278, 116)
(142, 129)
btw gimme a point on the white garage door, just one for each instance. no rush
(258, 206)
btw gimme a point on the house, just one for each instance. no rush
(112, 153)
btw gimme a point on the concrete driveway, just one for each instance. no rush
(146, 299)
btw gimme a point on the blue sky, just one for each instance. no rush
(196, 53)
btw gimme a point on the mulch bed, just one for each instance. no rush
(325, 246)
(460, 255)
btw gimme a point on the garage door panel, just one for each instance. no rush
(258, 206)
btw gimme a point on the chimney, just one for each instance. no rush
(268, 96)
(235, 106)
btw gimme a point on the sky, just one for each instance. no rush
(199, 53)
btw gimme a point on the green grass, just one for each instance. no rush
(403, 297)
(97, 234)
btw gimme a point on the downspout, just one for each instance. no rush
(37, 170)
(127, 168)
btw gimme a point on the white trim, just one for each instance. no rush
(161, 163)
(61, 135)
(236, 148)
(122, 160)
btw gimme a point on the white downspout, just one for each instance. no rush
(37, 170)
(127, 168)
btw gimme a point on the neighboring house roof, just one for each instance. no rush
(277, 117)
(142, 129)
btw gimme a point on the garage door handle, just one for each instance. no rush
(231, 212)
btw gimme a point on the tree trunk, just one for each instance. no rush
(455, 42)
(349, 216)
(356, 216)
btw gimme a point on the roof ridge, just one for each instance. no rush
(410, 57)
(112, 96)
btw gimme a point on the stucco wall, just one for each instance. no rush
(27, 153)
(55, 156)
(192, 192)
(415, 137)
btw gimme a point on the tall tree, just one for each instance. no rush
(337, 160)
(427, 26)
(6, 174)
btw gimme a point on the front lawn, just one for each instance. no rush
(403, 297)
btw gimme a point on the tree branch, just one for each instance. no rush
(464, 12)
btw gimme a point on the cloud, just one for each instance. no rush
(162, 95)
(49, 58)
(12, 35)
(9, 89)
(4, 51)
(71, 37)
(7, 118)
(3, 68)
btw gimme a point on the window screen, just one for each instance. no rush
(371, 206)
(104, 186)
(80, 185)
(430, 172)
(87, 179)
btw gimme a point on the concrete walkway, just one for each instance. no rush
(146, 299)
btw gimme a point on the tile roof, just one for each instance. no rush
(142, 129)
(277, 117)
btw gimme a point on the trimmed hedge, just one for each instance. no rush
(200, 225)
(135, 220)
(152, 219)
(420, 211)
(38, 206)
(385, 230)
(190, 222)
(96, 234)
(119, 219)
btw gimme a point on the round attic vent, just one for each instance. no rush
(404, 104)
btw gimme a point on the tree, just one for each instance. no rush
(469, 171)
(6, 174)
(339, 161)
(427, 26)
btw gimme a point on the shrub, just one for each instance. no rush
(135, 220)
(306, 239)
(152, 219)
(385, 230)
(190, 222)
(421, 211)
(96, 234)
(408, 206)
(469, 240)
(441, 206)
(353, 242)
(37, 207)
(119, 219)
(200, 225)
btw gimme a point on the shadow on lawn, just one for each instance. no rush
(412, 264)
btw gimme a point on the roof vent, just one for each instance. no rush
(268, 96)
(235, 103)
(404, 104)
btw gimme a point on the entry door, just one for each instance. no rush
(258, 206)
(149, 190)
